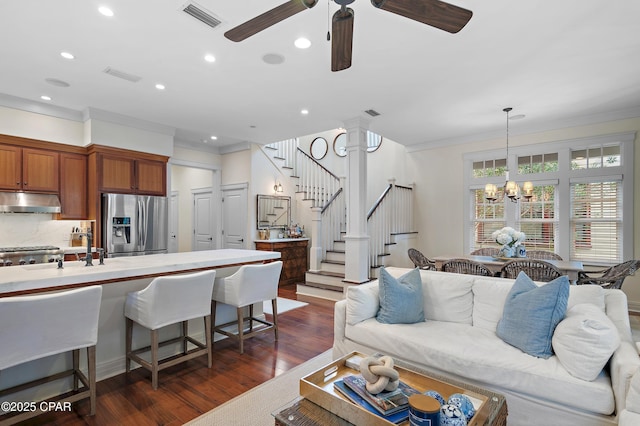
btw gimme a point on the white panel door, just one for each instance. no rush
(202, 221)
(234, 216)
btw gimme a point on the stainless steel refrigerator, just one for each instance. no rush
(134, 225)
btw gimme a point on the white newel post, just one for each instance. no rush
(315, 252)
(356, 239)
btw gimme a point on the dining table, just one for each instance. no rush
(495, 264)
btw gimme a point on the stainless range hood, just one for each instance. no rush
(28, 202)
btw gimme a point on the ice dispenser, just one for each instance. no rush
(121, 230)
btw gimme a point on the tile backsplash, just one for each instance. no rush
(28, 229)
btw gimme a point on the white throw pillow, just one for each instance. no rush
(585, 340)
(593, 294)
(489, 296)
(363, 302)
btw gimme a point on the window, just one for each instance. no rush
(488, 217)
(596, 222)
(537, 218)
(582, 207)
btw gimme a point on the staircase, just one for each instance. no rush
(322, 191)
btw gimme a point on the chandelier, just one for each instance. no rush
(511, 188)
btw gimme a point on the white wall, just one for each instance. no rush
(26, 124)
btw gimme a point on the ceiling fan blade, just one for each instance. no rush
(342, 40)
(436, 13)
(269, 18)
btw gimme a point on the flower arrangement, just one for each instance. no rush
(508, 236)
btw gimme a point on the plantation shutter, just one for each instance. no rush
(488, 217)
(538, 218)
(596, 221)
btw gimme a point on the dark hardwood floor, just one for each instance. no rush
(191, 389)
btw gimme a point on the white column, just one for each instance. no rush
(357, 238)
(315, 252)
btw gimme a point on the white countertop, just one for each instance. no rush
(47, 276)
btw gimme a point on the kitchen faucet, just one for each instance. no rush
(88, 257)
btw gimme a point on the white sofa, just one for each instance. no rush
(458, 340)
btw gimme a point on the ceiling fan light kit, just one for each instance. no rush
(435, 13)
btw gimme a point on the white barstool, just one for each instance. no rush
(250, 284)
(34, 327)
(165, 301)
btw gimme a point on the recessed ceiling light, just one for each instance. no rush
(302, 43)
(160, 86)
(304, 111)
(209, 58)
(214, 138)
(105, 11)
(45, 98)
(67, 55)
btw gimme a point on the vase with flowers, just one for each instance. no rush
(511, 242)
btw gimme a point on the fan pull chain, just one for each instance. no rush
(328, 20)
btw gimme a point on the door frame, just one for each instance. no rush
(215, 193)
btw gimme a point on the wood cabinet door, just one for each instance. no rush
(40, 170)
(73, 186)
(116, 174)
(151, 177)
(10, 167)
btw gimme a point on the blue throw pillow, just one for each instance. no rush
(400, 298)
(531, 314)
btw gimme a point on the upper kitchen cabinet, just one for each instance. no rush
(129, 172)
(27, 169)
(73, 186)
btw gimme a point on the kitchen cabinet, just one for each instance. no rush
(293, 253)
(73, 186)
(27, 169)
(131, 176)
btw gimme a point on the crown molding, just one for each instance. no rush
(125, 120)
(42, 108)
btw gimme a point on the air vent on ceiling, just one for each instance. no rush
(121, 74)
(372, 112)
(201, 14)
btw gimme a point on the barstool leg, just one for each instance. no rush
(208, 339)
(250, 318)
(75, 356)
(154, 359)
(91, 370)
(127, 350)
(241, 329)
(274, 308)
(185, 333)
(213, 321)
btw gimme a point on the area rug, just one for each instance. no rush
(284, 305)
(254, 407)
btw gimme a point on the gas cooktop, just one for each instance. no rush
(27, 249)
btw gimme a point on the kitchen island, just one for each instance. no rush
(119, 276)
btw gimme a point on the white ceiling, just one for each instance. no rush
(558, 63)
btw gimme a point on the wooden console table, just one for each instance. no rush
(293, 253)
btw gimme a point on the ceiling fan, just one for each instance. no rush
(435, 13)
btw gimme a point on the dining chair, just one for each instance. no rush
(466, 266)
(543, 255)
(34, 327)
(420, 260)
(485, 251)
(612, 277)
(537, 270)
(248, 285)
(165, 301)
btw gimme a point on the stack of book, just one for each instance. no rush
(393, 406)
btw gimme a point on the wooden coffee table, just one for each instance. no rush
(304, 412)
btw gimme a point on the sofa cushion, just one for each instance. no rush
(475, 355)
(363, 302)
(489, 295)
(633, 396)
(401, 300)
(593, 294)
(531, 314)
(585, 340)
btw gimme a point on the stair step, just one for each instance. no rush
(332, 267)
(270, 147)
(279, 158)
(287, 167)
(306, 290)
